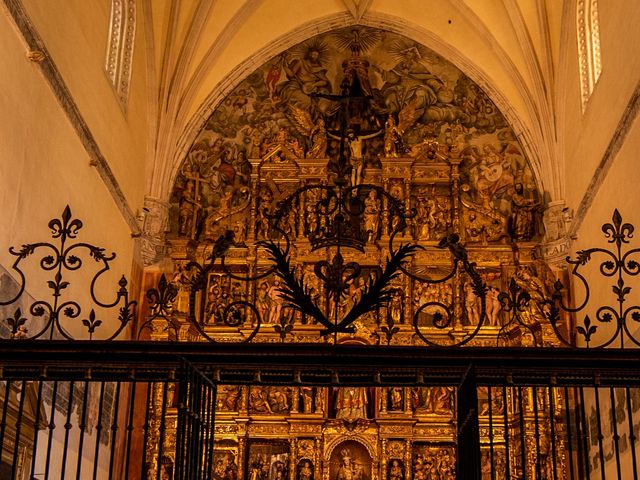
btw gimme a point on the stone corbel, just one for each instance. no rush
(155, 225)
(556, 242)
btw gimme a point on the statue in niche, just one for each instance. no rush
(258, 401)
(262, 300)
(307, 399)
(349, 469)
(372, 215)
(228, 397)
(493, 306)
(277, 302)
(471, 304)
(426, 218)
(396, 397)
(522, 221)
(393, 144)
(318, 140)
(265, 203)
(396, 470)
(351, 403)
(278, 399)
(305, 470)
(188, 209)
(396, 306)
(535, 311)
(240, 233)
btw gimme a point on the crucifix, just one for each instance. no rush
(190, 203)
(349, 93)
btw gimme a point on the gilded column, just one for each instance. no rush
(383, 399)
(293, 459)
(407, 400)
(295, 399)
(242, 442)
(383, 460)
(407, 206)
(244, 401)
(407, 459)
(317, 459)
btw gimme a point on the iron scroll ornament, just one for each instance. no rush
(617, 264)
(59, 260)
(338, 208)
(341, 228)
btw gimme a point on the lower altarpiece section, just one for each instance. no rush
(375, 433)
(348, 433)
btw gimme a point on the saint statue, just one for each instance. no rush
(348, 470)
(372, 215)
(306, 471)
(522, 215)
(395, 471)
(351, 403)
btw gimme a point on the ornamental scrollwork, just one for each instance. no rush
(59, 315)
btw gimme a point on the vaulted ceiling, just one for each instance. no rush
(200, 50)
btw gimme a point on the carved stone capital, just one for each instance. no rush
(557, 243)
(557, 221)
(555, 252)
(155, 224)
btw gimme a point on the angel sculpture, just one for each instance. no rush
(393, 142)
(317, 133)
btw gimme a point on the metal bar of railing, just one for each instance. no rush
(96, 453)
(83, 426)
(114, 430)
(36, 427)
(18, 429)
(67, 429)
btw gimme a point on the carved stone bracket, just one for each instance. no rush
(155, 224)
(557, 222)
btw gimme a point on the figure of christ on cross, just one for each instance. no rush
(356, 161)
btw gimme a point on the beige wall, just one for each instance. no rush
(585, 136)
(76, 32)
(43, 164)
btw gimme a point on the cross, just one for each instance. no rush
(348, 93)
(196, 200)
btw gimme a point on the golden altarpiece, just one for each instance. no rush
(434, 142)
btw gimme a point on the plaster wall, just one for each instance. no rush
(585, 136)
(75, 33)
(44, 167)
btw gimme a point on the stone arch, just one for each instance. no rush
(335, 443)
(331, 446)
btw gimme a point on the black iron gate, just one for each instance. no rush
(195, 428)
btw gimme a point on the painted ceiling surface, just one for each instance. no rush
(281, 103)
